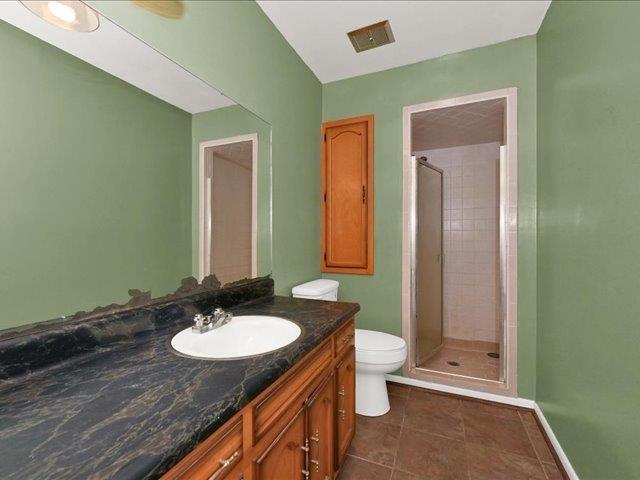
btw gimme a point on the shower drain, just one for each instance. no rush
(454, 364)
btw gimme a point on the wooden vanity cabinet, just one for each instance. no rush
(299, 428)
(218, 457)
(286, 456)
(320, 431)
(345, 405)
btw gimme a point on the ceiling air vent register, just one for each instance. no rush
(371, 36)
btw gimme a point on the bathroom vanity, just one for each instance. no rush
(299, 427)
(108, 397)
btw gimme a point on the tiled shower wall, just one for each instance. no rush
(471, 202)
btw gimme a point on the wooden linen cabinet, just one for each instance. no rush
(347, 196)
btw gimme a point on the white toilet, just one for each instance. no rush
(322, 289)
(377, 353)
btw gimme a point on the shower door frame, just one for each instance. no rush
(507, 250)
(426, 164)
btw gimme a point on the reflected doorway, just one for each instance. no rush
(228, 208)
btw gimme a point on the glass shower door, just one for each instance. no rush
(428, 266)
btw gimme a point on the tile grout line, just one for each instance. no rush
(395, 457)
(369, 461)
(404, 416)
(464, 436)
(535, 450)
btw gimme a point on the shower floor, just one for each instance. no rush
(466, 357)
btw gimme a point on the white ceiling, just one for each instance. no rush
(119, 53)
(240, 153)
(317, 30)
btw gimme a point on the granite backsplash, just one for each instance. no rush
(23, 351)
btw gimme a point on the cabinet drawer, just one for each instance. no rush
(218, 457)
(344, 338)
(284, 397)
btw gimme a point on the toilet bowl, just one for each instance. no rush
(377, 353)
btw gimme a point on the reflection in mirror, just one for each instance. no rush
(228, 208)
(122, 174)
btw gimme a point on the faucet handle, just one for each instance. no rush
(198, 321)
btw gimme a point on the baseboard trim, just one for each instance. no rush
(491, 397)
(568, 468)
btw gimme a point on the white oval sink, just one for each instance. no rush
(244, 336)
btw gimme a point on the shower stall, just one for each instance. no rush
(457, 245)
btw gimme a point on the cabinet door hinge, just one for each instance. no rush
(364, 194)
(325, 197)
(325, 256)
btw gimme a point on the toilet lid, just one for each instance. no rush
(371, 341)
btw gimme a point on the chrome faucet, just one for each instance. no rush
(204, 323)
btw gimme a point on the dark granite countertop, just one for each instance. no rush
(132, 409)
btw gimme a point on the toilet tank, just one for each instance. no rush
(322, 289)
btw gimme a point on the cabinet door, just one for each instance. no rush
(347, 188)
(285, 458)
(320, 414)
(345, 404)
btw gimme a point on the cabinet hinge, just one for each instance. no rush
(325, 256)
(325, 197)
(364, 194)
(325, 137)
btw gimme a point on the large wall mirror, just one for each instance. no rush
(121, 173)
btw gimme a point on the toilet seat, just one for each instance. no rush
(379, 348)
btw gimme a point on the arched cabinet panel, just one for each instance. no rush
(347, 195)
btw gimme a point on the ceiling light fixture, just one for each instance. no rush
(68, 14)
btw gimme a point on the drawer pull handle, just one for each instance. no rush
(224, 464)
(305, 473)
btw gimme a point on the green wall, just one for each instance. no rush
(509, 64)
(230, 122)
(588, 233)
(83, 151)
(235, 47)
